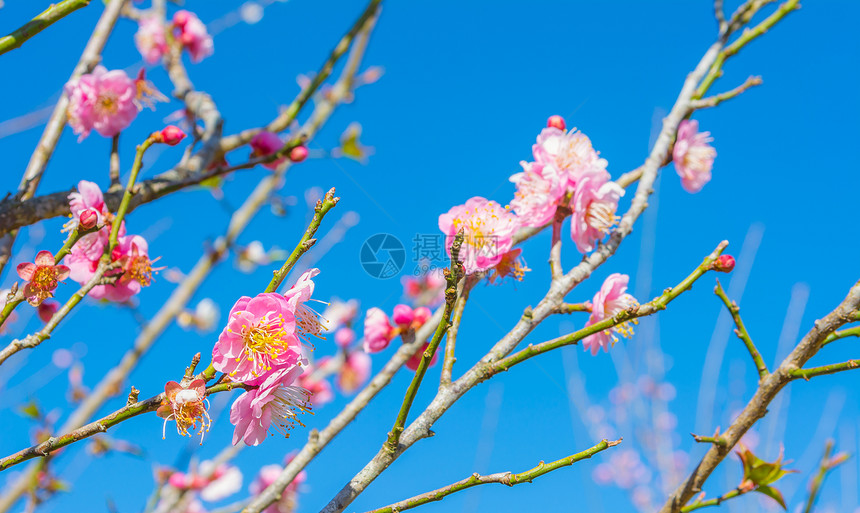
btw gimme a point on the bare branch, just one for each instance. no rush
(48, 17)
(741, 331)
(505, 478)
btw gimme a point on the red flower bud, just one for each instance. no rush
(299, 153)
(171, 135)
(724, 263)
(556, 122)
(88, 219)
(47, 309)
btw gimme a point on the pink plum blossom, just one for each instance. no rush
(570, 153)
(344, 337)
(693, 156)
(88, 198)
(540, 189)
(288, 503)
(320, 389)
(102, 100)
(225, 480)
(150, 39)
(131, 253)
(594, 203)
(192, 34)
(47, 309)
(259, 339)
(339, 313)
(307, 320)
(609, 300)
(273, 404)
(378, 331)
(428, 288)
(403, 315)
(422, 314)
(354, 372)
(488, 232)
(266, 143)
(42, 277)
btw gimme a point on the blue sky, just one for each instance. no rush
(467, 88)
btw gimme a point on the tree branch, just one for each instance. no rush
(505, 478)
(48, 17)
(741, 331)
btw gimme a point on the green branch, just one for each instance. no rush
(50, 15)
(824, 369)
(306, 242)
(741, 331)
(657, 304)
(737, 492)
(505, 478)
(452, 276)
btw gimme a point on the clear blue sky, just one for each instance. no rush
(467, 88)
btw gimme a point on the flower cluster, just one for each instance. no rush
(261, 348)
(380, 330)
(268, 143)
(566, 177)
(191, 33)
(181, 491)
(132, 267)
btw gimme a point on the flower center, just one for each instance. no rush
(263, 342)
(140, 270)
(601, 216)
(44, 278)
(107, 104)
(697, 157)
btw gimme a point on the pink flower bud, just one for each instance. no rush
(88, 219)
(724, 263)
(422, 315)
(47, 309)
(344, 337)
(403, 315)
(556, 122)
(171, 135)
(299, 153)
(180, 19)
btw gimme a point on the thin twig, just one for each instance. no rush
(713, 101)
(741, 331)
(49, 16)
(451, 342)
(505, 478)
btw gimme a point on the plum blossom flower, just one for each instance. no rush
(540, 188)
(320, 389)
(192, 34)
(609, 300)
(344, 337)
(88, 198)
(354, 372)
(274, 404)
(252, 256)
(102, 100)
(307, 320)
(42, 277)
(570, 153)
(186, 405)
(288, 503)
(131, 254)
(594, 203)
(259, 337)
(267, 143)
(693, 156)
(225, 480)
(150, 39)
(425, 289)
(204, 316)
(340, 313)
(488, 232)
(378, 331)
